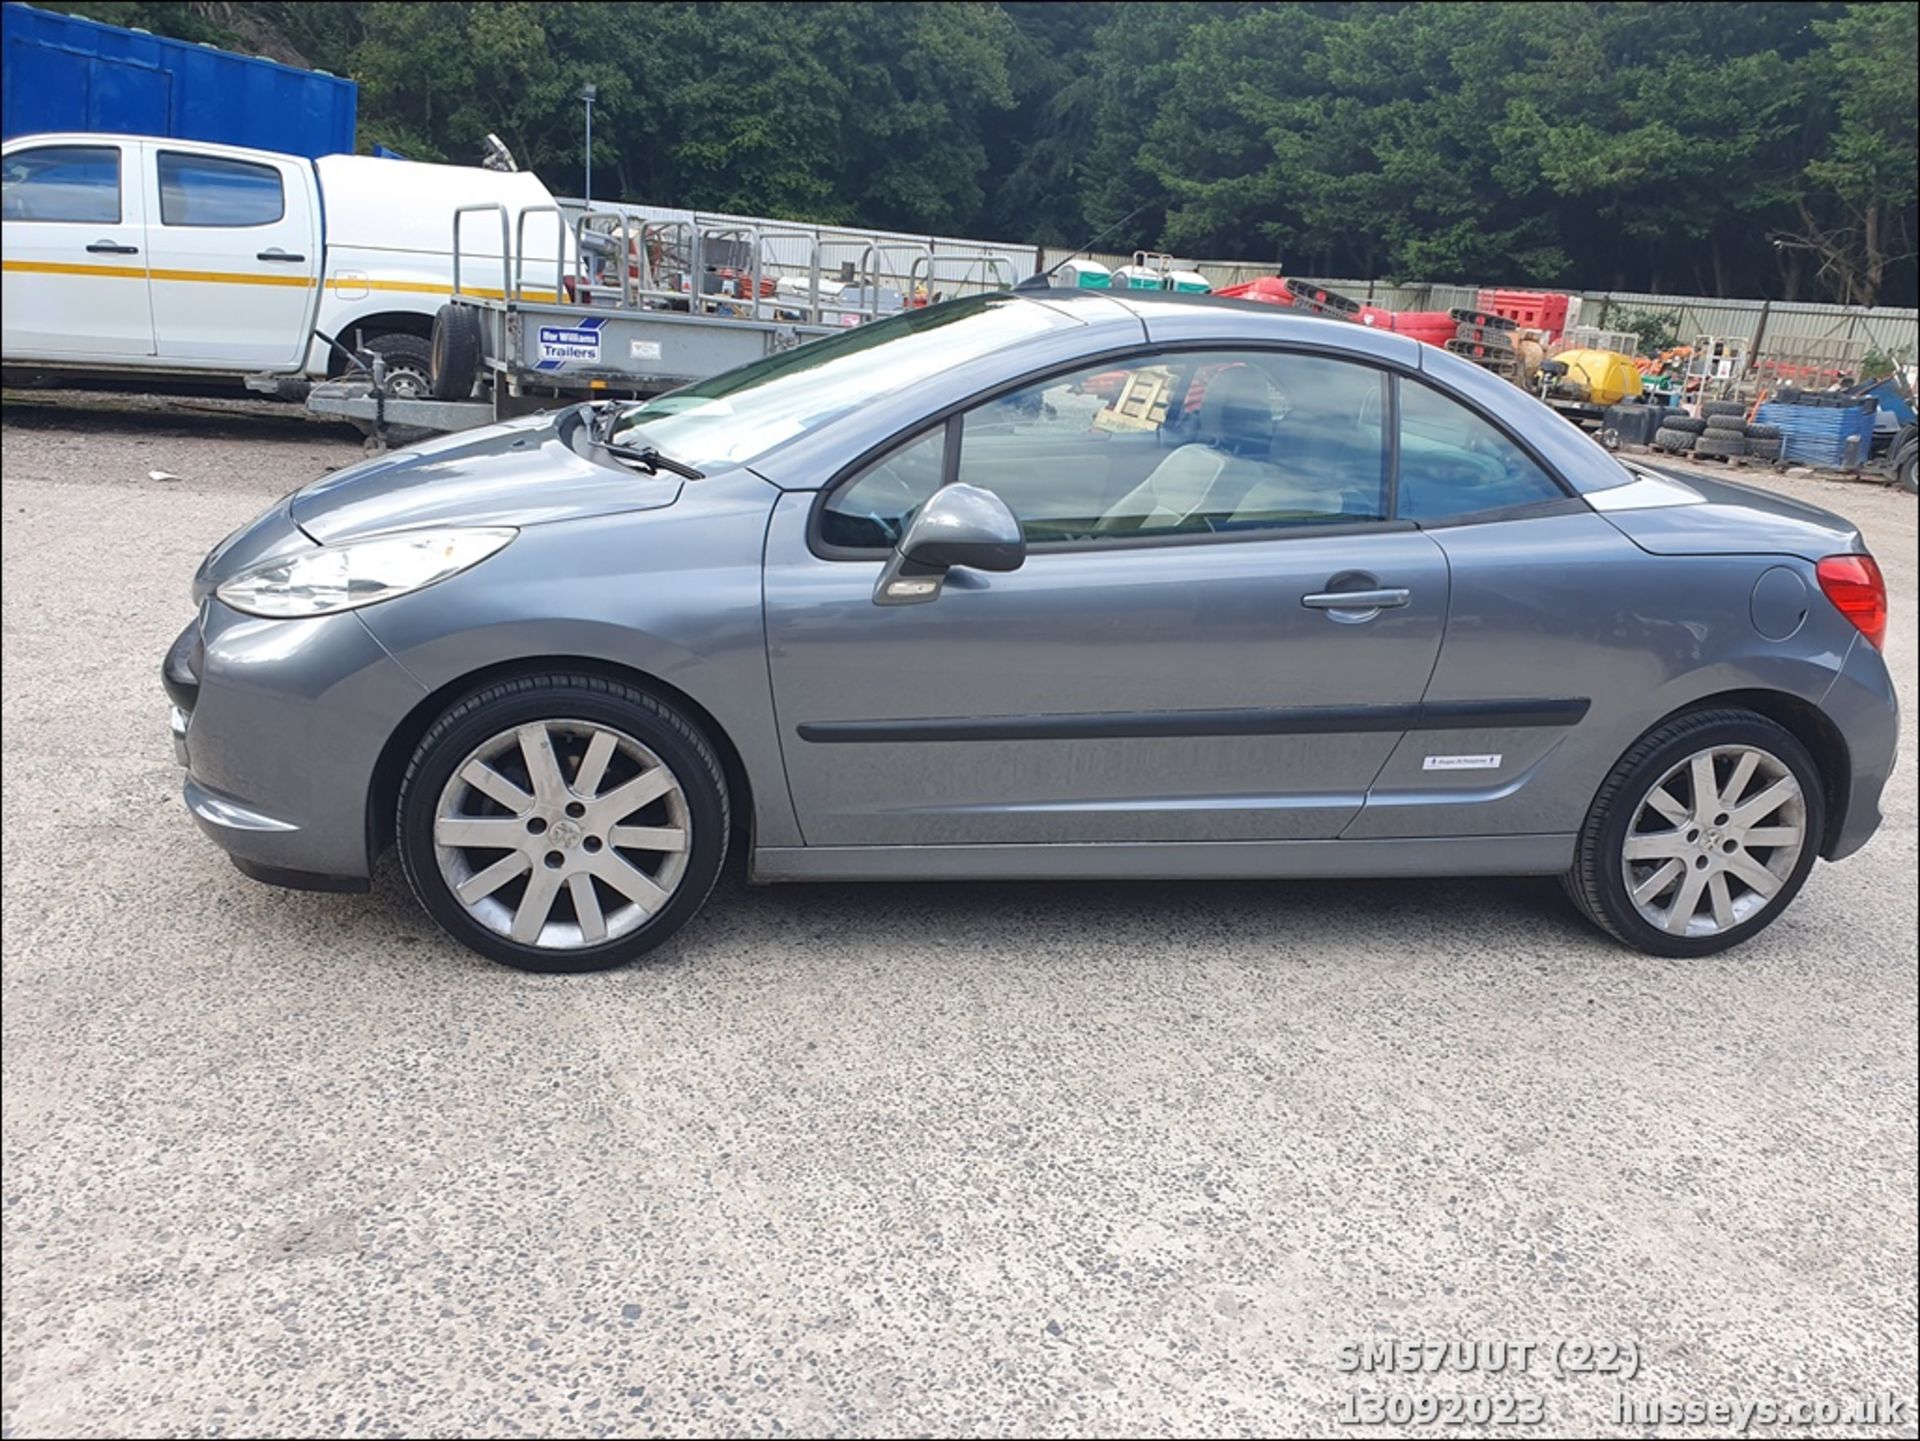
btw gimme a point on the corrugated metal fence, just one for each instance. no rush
(1764, 324)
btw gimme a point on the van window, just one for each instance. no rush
(212, 190)
(78, 184)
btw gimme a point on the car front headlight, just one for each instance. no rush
(359, 572)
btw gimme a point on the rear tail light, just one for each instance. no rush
(1858, 591)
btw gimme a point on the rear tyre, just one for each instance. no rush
(1679, 442)
(1763, 432)
(1726, 425)
(1722, 407)
(1720, 445)
(1691, 424)
(1701, 836)
(456, 352)
(408, 362)
(1765, 449)
(562, 822)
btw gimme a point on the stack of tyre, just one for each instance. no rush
(1719, 432)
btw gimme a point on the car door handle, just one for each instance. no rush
(1356, 599)
(280, 255)
(108, 247)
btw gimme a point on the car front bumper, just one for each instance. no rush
(281, 725)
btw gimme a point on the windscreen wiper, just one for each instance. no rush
(649, 458)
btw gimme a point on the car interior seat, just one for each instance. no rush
(1233, 436)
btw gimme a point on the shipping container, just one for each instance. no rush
(65, 73)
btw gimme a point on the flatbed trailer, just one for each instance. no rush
(653, 306)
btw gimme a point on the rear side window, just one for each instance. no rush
(212, 190)
(1454, 464)
(78, 184)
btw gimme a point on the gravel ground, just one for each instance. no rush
(886, 1159)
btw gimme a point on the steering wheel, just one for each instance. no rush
(1369, 411)
(885, 481)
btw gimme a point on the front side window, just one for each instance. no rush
(1184, 444)
(873, 509)
(78, 184)
(1454, 464)
(212, 190)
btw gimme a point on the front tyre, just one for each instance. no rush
(1701, 836)
(562, 822)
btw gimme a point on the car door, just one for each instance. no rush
(75, 267)
(1543, 591)
(234, 244)
(1216, 635)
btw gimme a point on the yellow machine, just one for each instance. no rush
(1596, 377)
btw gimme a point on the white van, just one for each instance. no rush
(129, 253)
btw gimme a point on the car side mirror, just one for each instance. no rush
(960, 525)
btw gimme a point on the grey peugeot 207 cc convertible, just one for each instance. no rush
(1041, 584)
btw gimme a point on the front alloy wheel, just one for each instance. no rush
(562, 823)
(562, 834)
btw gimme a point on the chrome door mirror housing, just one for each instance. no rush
(960, 525)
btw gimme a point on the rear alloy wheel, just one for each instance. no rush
(562, 823)
(1702, 835)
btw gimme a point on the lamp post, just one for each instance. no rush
(587, 93)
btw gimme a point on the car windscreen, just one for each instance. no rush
(739, 415)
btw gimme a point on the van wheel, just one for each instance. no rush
(1702, 835)
(456, 352)
(408, 361)
(562, 822)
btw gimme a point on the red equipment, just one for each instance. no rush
(1432, 327)
(1536, 309)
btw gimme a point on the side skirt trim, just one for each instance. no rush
(1534, 855)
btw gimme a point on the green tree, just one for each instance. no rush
(1857, 214)
(1758, 147)
(1344, 139)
